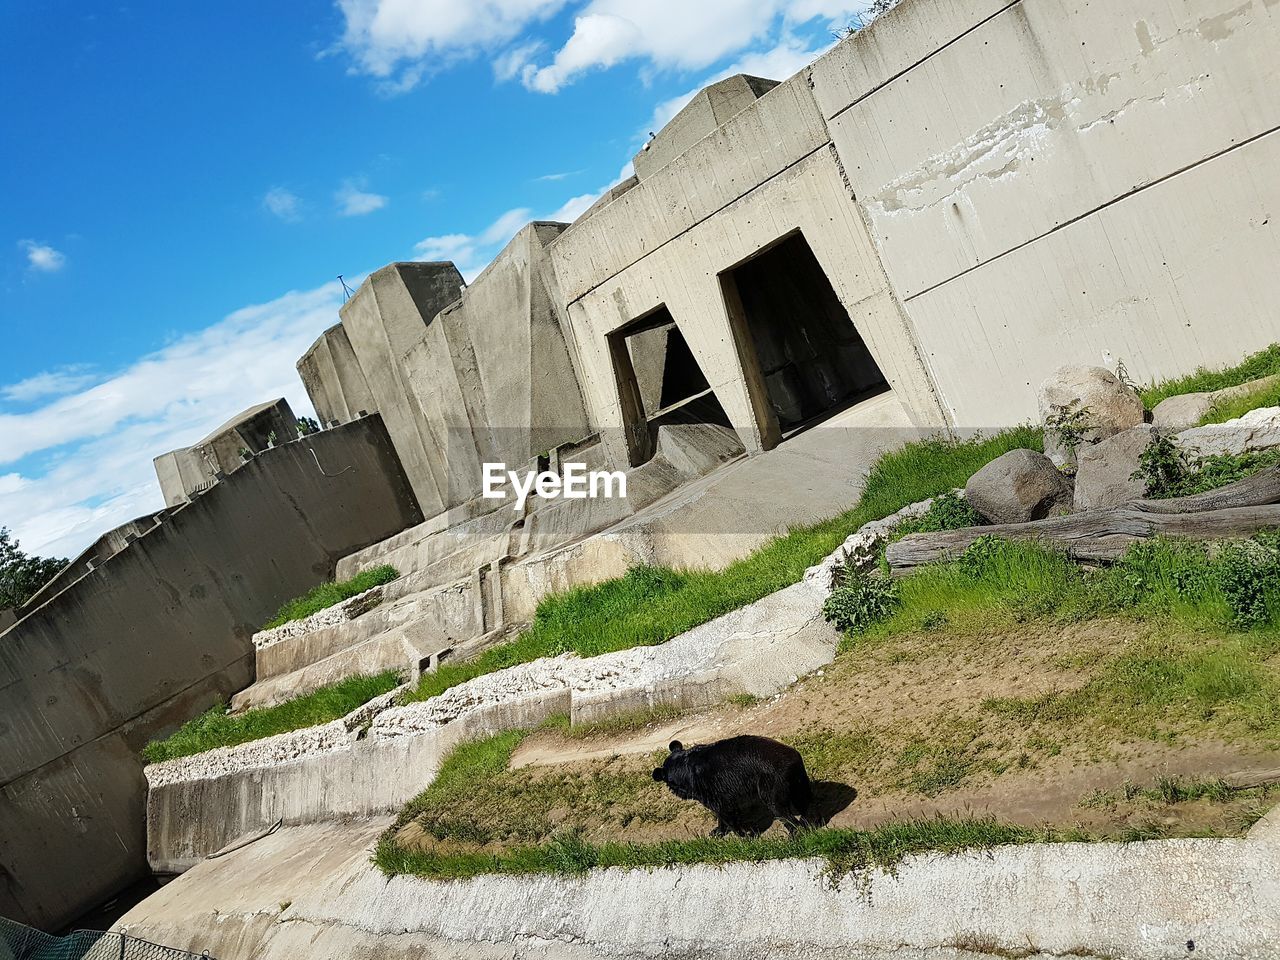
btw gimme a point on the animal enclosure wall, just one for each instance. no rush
(1066, 180)
(154, 636)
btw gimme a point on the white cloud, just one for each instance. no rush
(51, 383)
(43, 258)
(95, 445)
(400, 41)
(355, 202)
(408, 37)
(553, 177)
(574, 207)
(283, 203)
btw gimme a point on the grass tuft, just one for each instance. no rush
(1264, 363)
(329, 594)
(845, 852)
(1224, 410)
(650, 605)
(216, 728)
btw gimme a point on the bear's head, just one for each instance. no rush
(674, 772)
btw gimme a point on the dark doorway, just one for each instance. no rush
(659, 381)
(811, 357)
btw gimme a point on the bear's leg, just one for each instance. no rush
(721, 829)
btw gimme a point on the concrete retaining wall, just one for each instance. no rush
(310, 891)
(1052, 181)
(197, 805)
(154, 635)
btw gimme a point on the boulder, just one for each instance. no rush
(1018, 486)
(1109, 406)
(1185, 410)
(1256, 430)
(1104, 471)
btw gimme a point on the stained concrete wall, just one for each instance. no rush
(766, 174)
(711, 107)
(154, 635)
(190, 470)
(385, 320)
(462, 378)
(333, 379)
(1056, 180)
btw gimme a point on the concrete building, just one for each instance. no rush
(947, 206)
(921, 225)
(185, 472)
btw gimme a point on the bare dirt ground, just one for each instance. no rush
(901, 729)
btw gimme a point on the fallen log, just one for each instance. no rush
(1095, 535)
(1257, 490)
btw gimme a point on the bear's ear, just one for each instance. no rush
(675, 746)
(659, 774)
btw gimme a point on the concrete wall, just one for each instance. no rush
(333, 379)
(1055, 180)
(766, 174)
(385, 320)
(188, 471)
(154, 635)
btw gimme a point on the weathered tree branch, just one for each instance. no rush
(1093, 535)
(1254, 491)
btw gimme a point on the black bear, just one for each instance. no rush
(747, 782)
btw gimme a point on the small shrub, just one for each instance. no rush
(1070, 424)
(1245, 571)
(949, 511)
(1163, 467)
(859, 600)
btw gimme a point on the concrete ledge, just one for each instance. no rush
(376, 760)
(311, 891)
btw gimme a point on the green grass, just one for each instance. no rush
(1216, 658)
(216, 729)
(328, 594)
(1224, 410)
(650, 605)
(1264, 363)
(844, 851)
(470, 803)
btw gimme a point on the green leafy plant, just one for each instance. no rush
(949, 511)
(1246, 571)
(859, 600)
(1070, 424)
(1163, 467)
(22, 574)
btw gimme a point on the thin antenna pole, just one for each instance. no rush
(346, 291)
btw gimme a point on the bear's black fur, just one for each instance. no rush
(747, 782)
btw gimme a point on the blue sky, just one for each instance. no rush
(183, 182)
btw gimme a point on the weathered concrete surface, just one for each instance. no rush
(152, 637)
(385, 320)
(189, 470)
(310, 891)
(711, 107)
(1088, 198)
(763, 176)
(333, 379)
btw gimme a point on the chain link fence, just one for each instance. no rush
(20, 942)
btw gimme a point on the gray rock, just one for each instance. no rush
(1185, 410)
(1104, 471)
(1256, 430)
(1018, 486)
(1111, 406)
